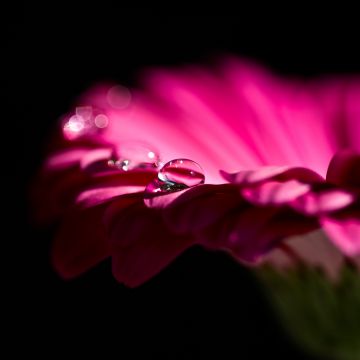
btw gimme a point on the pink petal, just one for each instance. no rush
(122, 178)
(318, 203)
(122, 205)
(65, 159)
(278, 173)
(96, 160)
(54, 194)
(280, 117)
(80, 243)
(99, 196)
(172, 138)
(107, 187)
(200, 207)
(313, 249)
(352, 110)
(201, 111)
(160, 201)
(250, 232)
(272, 193)
(253, 176)
(141, 244)
(345, 234)
(344, 169)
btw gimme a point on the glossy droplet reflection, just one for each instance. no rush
(85, 121)
(176, 175)
(134, 155)
(182, 171)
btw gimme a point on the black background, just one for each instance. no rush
(204, 304)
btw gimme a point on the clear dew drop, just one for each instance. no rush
(176, 175)
(134, 155)
(182, 171)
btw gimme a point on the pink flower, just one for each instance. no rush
(288, 152)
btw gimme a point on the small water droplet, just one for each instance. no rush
(135, 155)
(176, 175)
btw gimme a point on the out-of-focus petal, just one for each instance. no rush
(100, 195)
(275, 193)
(313, 249)
(80, 243)
(54, 194)
(65, 159)
(279, 117)
(322, 202)
(161, 201)
(250, 232)
(344, 232)
(92, 159)
(141, 244)
(344, 169)
(200, 207)
(352, 114)
(278, 173)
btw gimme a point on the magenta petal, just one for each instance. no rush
(313, 249)
(141, 244)
(249, 233)
(280, 118)
(163, 200)
(278, 173)
(65, 159)
(99, 196)
(90, 161)
(238, 233)
(253, 176)
(123, 207)
(80, 243)
(323, 202)
(352, 109)
(54, 194)
(201, 206)
(272, 193)
(344, 169)
(345, 234)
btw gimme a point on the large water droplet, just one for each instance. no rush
(176, 175)
(182, 171)
(135, 155)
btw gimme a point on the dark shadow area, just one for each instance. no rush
(204, 304)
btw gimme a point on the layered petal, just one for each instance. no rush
(344, 169)
(141, 245)
(312, 249)
(250, 232)
(80, 243)
(344, 232)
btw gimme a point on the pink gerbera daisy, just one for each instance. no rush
(233, 159)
